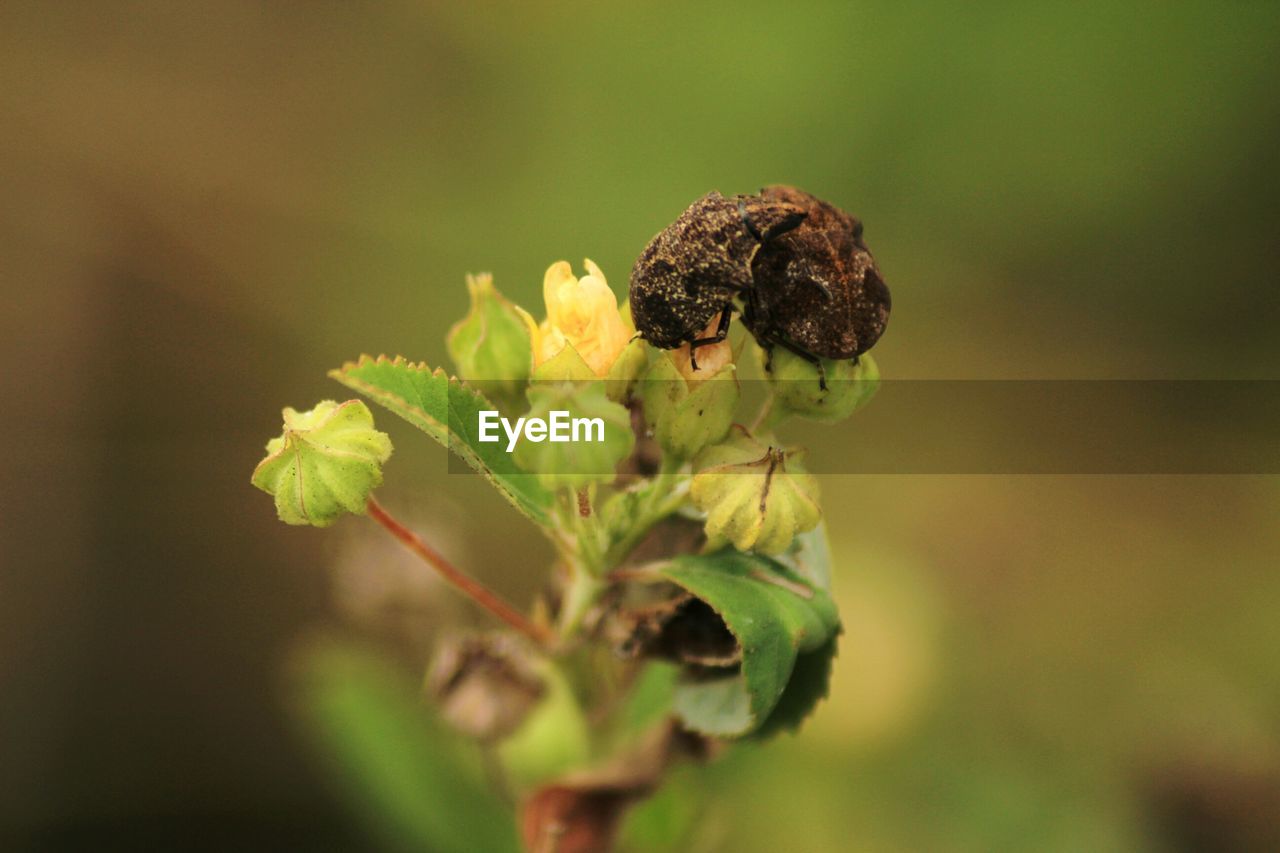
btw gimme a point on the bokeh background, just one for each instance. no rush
(205, 206)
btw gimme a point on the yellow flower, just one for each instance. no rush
(582, 313)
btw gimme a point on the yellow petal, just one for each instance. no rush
(594, 271)
(550, 342)
(557, 276)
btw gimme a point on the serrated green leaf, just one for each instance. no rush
(448, 411)
(776, 616)
(416, 784)
(807, 687)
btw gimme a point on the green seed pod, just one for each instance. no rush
(325, 464)
(756, 496)
(584, 434)
(688, 414)
(490, 346)
(797, 385)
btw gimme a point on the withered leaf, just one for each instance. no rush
(484, 685)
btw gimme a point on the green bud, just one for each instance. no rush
(593, 455)
(626, 369)
(798, 390)
(325, 464)
(490, 346)
(685, 414)
(756, 496)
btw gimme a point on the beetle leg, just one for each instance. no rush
(722, 331)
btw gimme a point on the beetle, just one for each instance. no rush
(695, 267)
(817, 291)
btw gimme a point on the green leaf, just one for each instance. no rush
(448, 411)
(777, 617)
(807, 687)
(417, 785)
(649, 700)
(325, 463)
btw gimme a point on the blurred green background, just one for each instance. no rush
(205, 206)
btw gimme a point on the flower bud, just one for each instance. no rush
(687, 412)
(798, 390)
(326, 463)
(756, 496)
(490, 346)
(626, 369)
(598, 429)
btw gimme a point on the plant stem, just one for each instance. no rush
(584, 547)
(579, 595)
(470, 587)
(667, 493)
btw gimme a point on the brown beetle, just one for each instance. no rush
(693, 268)
(817, 290)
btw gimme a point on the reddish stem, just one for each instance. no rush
(470, 587)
